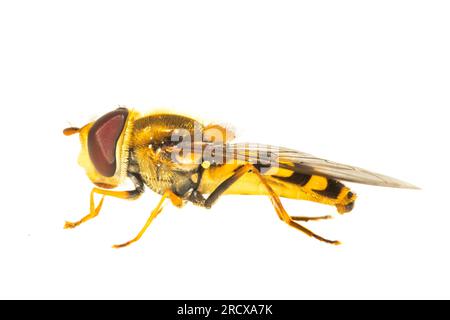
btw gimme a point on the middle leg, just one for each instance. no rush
(176, 201)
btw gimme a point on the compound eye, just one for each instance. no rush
(102, 141)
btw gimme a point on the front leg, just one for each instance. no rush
(94, 211)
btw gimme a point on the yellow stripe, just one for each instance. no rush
(316, 183)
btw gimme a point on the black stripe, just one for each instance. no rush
(332, 190)
(296, 178)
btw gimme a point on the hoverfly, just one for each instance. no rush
(185, 161)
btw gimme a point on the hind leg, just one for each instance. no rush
(282, 214)
(306, 219)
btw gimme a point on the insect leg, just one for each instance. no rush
(282, 214)
(94, 211)
(176, 200)
(212, 198)
(306, 219)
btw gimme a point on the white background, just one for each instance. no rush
(359, 82)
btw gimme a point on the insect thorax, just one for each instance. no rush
(158, 175)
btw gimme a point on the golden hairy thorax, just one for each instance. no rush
(152, 133)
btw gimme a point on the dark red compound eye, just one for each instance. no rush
(102, 141)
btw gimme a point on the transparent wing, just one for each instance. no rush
(308, 164)
(269, 156)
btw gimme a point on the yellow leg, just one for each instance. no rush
(282, 212)
(176, 201)
(306, 219)
(94, 211)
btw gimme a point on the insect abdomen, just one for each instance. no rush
(286, 183)
(315, 188)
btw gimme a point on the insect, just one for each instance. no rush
(184, 161)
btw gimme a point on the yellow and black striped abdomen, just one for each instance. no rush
(315, 188)
(286, 183)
